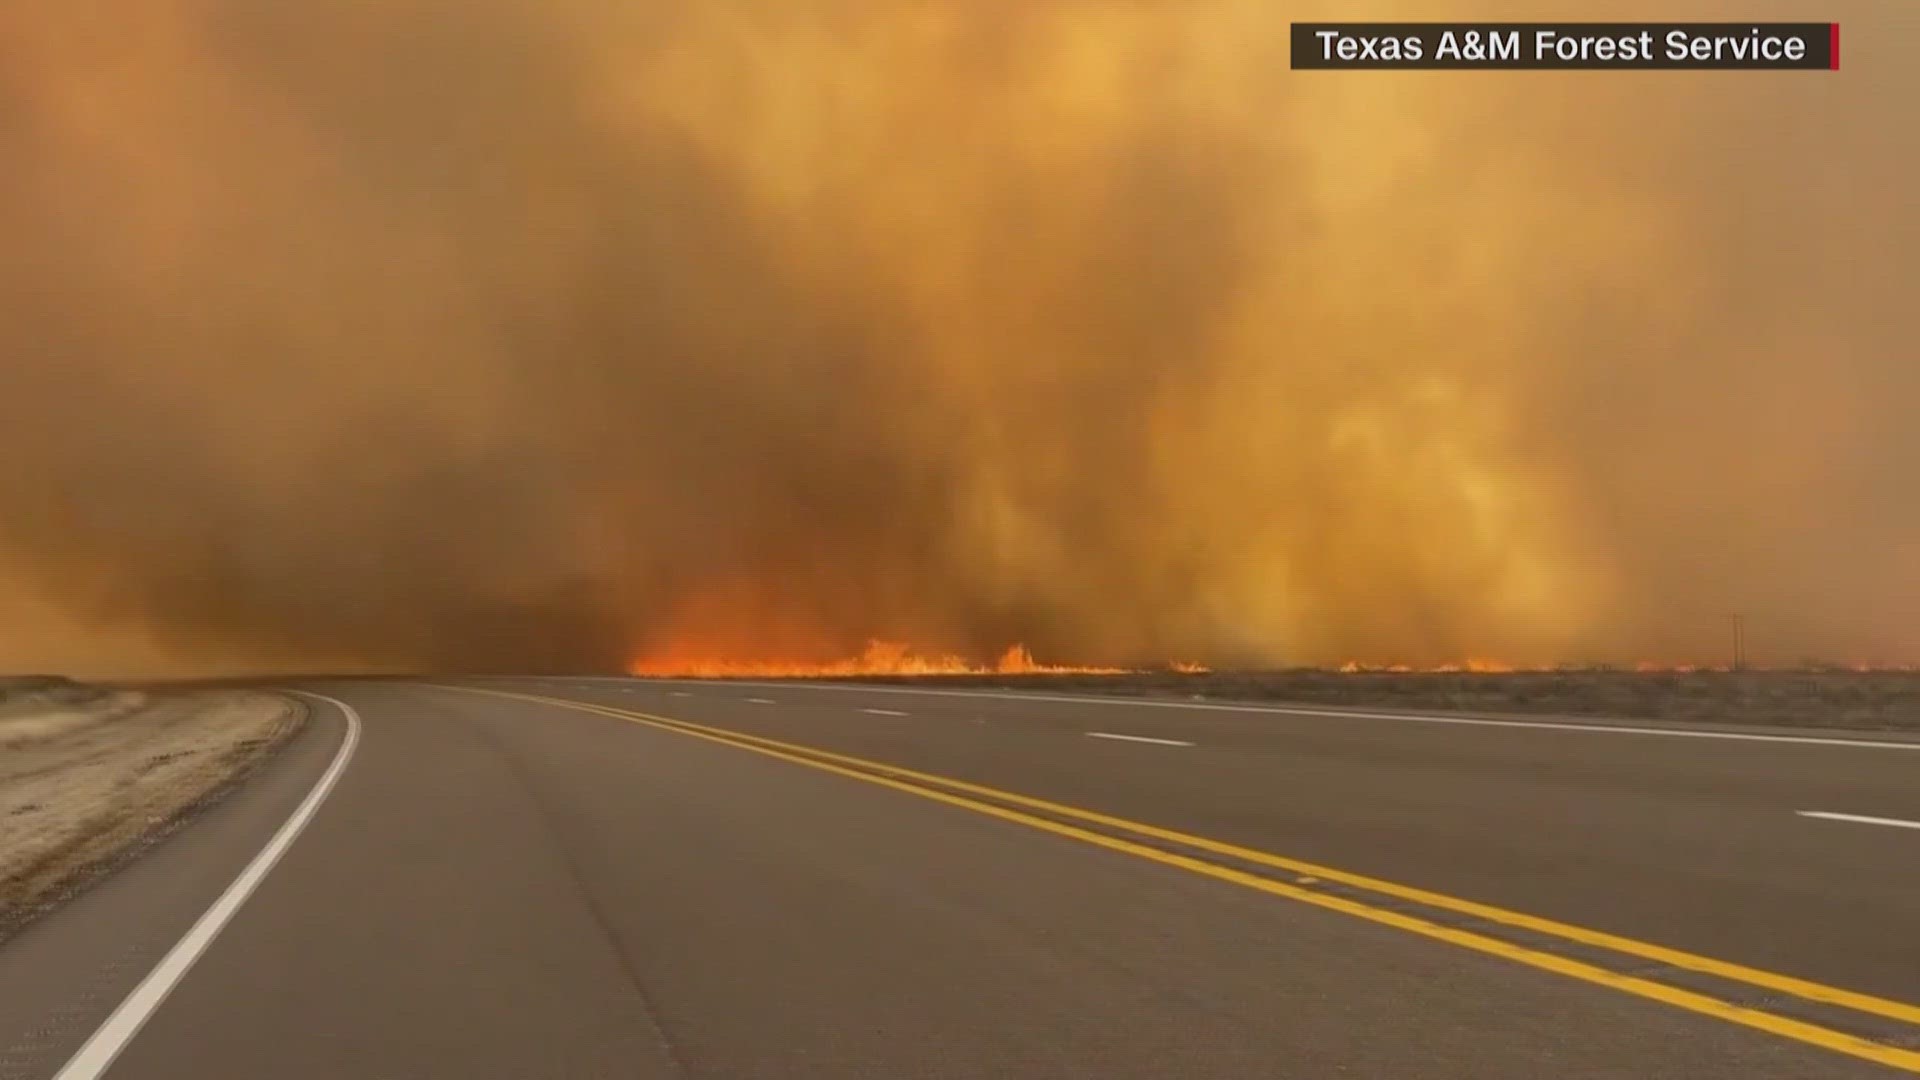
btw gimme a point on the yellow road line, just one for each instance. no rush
(916, 783)
(1787, 984)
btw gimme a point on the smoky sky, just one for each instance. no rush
(513, 335)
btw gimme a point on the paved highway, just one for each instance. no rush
(610, 878)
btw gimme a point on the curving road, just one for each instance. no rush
(615, 878)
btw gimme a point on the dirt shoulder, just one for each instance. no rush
(90, 777)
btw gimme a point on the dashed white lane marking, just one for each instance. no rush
(104, 1045)
(1860, 819)
(1136, 738)
(884, 712)
(1357, 714)
(678, 693)
(760, 701)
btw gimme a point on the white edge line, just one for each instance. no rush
(1290, 710)
(884, 712)
(105, 1044)
(1136, 738)
(1859, 818)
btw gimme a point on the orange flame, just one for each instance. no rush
(879, 658)
(1476, 667)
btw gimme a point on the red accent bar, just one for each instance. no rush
(1833, 46)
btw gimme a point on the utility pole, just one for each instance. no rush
(1739, 641)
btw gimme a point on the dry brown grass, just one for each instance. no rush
(88, 781)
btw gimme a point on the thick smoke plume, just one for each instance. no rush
(517, 334)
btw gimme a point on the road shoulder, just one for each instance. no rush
(62, 973)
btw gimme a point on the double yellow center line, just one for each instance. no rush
(1060, 820)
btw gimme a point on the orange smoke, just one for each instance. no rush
(879, 658)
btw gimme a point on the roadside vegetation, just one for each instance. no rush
(91, 776)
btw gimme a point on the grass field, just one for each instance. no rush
(89, 776)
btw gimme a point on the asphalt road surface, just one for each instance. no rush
(612, 878)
